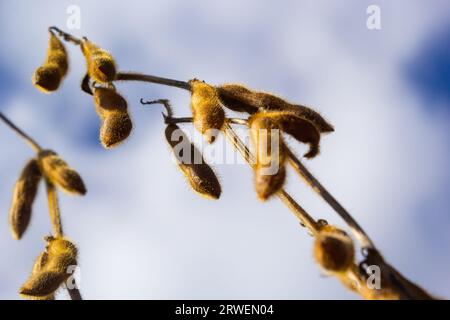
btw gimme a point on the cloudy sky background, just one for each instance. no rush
(143, 234)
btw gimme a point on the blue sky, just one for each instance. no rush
(143, 234)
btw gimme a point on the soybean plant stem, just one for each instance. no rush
(301, 214)
(36, 147)
(132, 76)
(66, 36)
(304, 173)
(55, 217)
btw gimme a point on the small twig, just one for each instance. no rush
(36, 147)
(131, 76)
(359, 233)
(164, 102)
(55, 215)
(301, 214)
(66, 36)
(175, 120)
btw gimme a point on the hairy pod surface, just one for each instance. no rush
(50, 270)
(207, 112)
(239, 98)
(269, 169)
(115, 129)
(334, 250)
(23, 197)
(108, 101)
(48, 77)
(300, 128)
(100, 63)
(58, 172)
(116, 122)
(199, 174)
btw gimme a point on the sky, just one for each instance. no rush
(143, 234)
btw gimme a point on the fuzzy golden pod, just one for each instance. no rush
(100, 63)
(107, 101)
(198, 173)
(300, 128)
(269, 169)
(334, 249)
(115, 129)
(48, 77)
(239, 98)
(50, 270)
(271, 102)
(40, 263)
(207, 111)
(62, 254)
(38, 267)
(23, 197)
(42, 285)
(57, 54)
(58, 172)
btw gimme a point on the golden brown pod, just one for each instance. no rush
(269, 169)
(107, 101)
(50, 270)
(239, 98)
(115, 129)
(58, 172)
(207, 112)
(334, 250)
(300, 128)
(48, 77)
(112, 109)
(24, 193)
(100, 63)
(199, 174)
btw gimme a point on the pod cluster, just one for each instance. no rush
(269, 113)
(102, 70)
(47, 165)
(50, 270)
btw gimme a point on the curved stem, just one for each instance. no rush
(301, 214)
(164, 102)
(66, 36)
(357, 230)
(132, 76)
(53, 207)
(36, 147)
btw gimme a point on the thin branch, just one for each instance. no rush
(357, 230)
(66, 36)
(36, 147)
(55, 217)
(53, 206)
(175, 120)
(164, 102)
(301, 214)
(132, 76)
